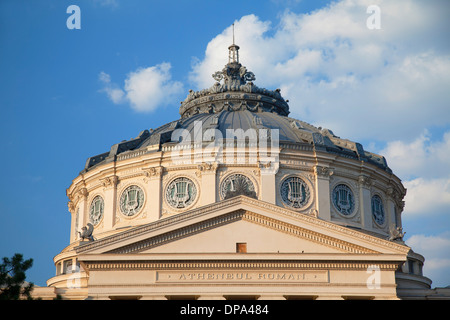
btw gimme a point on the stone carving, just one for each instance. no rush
(236, 185)
(365, 181)
(343, 199)
(236, 78)
(378, 210)
(294, 192)
(131, 200)
(71, 206)
(96, 210)
(153, 171)
(207, 167)
(86, 232)
(323, 172)
(109, 181)
(396, 234)
(181, 193)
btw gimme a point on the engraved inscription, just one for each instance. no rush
(243, 276)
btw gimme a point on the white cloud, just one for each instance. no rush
(361, 83)
(114, 93)
(144, 89)
(436, 250)
(427, 197)
(424, 163)
(425, 156)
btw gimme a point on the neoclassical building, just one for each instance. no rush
(236, 200)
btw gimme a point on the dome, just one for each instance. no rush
(233, 103)
(235, 114)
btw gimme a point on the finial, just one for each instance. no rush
(233, 52)
(233, 32)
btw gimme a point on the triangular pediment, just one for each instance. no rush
(216, 228)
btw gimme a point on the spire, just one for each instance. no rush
(233, 52)
(234, 74)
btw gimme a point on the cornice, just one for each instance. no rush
(239, 265)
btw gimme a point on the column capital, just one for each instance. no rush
(323, 172)
(206, 168)
(365, 181)
(110, 181)
(153, 172)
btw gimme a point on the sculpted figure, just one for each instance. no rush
(86, 232)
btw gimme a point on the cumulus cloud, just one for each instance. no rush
(113, 92)
(424, 156)
(424, 164)
(427, 197)
(436, 250)
(144, 89)
(337, 73)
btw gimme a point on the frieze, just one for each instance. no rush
(219, 267)
(243, 276)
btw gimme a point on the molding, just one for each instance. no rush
(238, 265)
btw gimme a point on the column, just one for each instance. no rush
(82, 205)
(207, 173)
(268, 172)
(323, 198)
(153, 192)
(110, 195)
(73, 217)
(365, 201)
(391, 212)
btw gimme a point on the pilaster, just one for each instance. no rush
(323, 203)
(365, 183)
(268, 172)
(110, 194)
(73, 217)
(153, 191)
(207, 173)
(81, 208)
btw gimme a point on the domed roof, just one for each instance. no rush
(235, 102)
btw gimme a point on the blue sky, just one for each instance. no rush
(66, 95)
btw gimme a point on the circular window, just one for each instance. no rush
(96, 210)
(235, 185)
(294, 192)
(181, 193)
(343, 199)
(378, 210)
(131, 200)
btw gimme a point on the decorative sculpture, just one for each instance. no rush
(396, 234)
(239, 186)
(86, 232)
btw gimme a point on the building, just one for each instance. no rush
(236, 200)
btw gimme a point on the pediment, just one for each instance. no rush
(218, 227)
